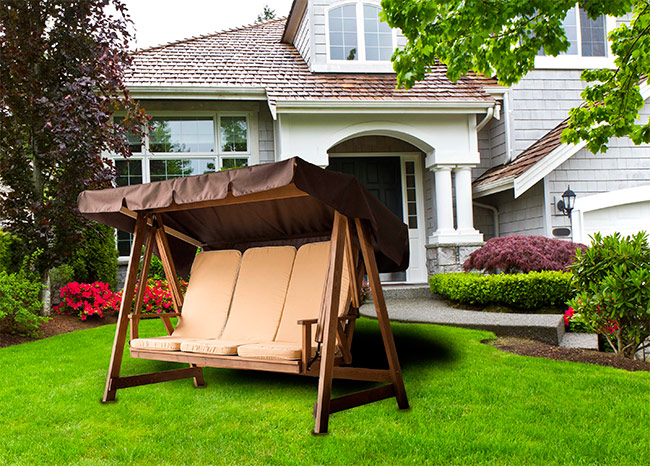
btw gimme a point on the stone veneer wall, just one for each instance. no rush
(448, 258)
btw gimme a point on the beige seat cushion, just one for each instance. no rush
(272, 350)
(206, 303)
(212, 346)
(260, 294)
(166, 343)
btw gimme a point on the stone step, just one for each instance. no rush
(548, 328)
(580, 340)
(410, 291)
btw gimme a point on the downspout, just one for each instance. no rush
(495, 215)
(486, 119)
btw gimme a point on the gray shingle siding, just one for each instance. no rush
(491, 145)
(624, 165)
(522, 216)
(539, 102)
(302, 41)
(266, 139)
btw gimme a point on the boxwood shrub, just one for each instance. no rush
(527, 291)
(20, 304)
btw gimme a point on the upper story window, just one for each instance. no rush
(343, 33)
(356, 33)
(587, 37)
(378, 35)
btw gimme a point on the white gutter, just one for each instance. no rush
(495, 216)
(198, 92)
(381, 106)
(486, 119)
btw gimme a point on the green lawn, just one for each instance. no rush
(470, 404)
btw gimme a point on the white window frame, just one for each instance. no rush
(146, 156)
(360, 64)
(576, 62)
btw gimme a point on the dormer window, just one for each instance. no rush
(587, 37)
(378, 35)
(343, 33)
(356, 33)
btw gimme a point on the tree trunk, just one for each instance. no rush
(46, 294)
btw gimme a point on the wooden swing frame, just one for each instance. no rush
(334, 332)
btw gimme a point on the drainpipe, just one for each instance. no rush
(486, 119)
(495, 215)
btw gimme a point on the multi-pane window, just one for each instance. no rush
(357, 33)
(587, 37)
(234, 131)
(411, 198)
(378, 35)
(188, 134)
(343, 33)
(176, 146)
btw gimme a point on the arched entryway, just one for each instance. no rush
(391, 169)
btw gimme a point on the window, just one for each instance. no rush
(234, 134)
(411, 202)
(357, 33)
(587, 37)
(179, 146)
(343, 33)
(378, 35)
(181, 135)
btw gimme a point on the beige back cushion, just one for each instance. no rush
(209, 293)
(260, 293)
(307, 290)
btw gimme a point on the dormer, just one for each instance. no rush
(342, 36)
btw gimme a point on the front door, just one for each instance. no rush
(382, 176)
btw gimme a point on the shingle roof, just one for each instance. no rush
(529, 157)
(254, 56)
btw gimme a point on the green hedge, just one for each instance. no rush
(20, 304)
(527, 291)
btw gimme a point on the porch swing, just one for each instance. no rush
(277, 284)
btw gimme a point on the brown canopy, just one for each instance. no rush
(288, 202)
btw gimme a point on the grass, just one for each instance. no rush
(471, 404)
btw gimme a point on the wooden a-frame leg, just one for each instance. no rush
(322, 410)
(172, 281)
(382, 313)
(144, 274)
(125, 308)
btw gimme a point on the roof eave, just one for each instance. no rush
(198, 92)
(298, 8)
(382, 106)
(493, 187)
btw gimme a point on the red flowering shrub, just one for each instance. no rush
(518, 253)
(86, 299)
(157, 296)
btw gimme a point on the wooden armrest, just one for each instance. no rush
(154, 316)
(307, 321)
(314, 321)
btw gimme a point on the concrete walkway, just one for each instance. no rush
(417, 307)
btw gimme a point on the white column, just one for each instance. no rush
(464, 208)
(444, 206)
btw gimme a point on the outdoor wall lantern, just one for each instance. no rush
(565, 205)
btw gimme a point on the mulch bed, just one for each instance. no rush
(543, 350)
(57, 325)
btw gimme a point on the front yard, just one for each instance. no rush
(471, 403)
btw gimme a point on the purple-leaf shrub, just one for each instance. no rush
(518, 253)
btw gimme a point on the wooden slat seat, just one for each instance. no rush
(257, 304)
(207, 301)
(304, 301)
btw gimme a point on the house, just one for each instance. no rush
(459, 162)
